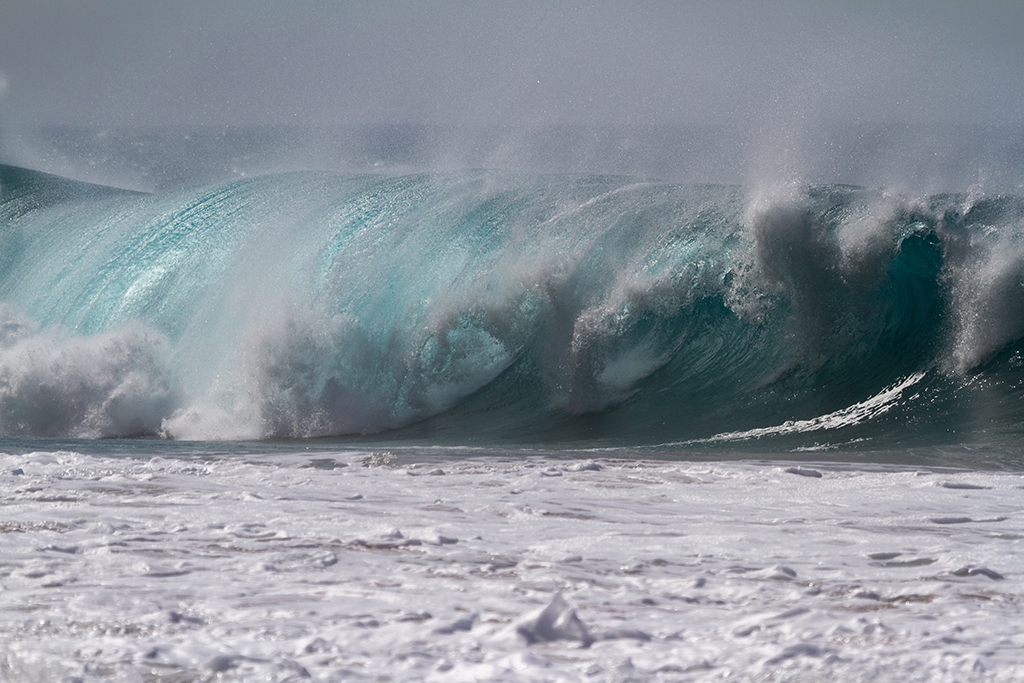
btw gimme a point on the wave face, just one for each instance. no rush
(490, 307)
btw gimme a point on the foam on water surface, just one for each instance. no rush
(518, 566)
(448, 315)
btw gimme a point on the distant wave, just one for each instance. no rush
(509, 307)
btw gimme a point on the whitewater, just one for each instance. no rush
(489, 425)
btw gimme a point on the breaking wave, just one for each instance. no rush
(498, 307)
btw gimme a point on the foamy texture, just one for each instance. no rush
(113, 384)
(847, 417)
(508, 566)
(986, 273)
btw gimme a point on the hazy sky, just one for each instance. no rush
(114, 62)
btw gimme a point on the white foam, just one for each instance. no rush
(268, 568)
(987, 276)
(113, 384)
(858, 413)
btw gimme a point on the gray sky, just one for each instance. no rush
(887, 92)
(114, 62)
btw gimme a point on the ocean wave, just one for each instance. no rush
(509, 307)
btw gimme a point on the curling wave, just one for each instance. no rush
(500, 307)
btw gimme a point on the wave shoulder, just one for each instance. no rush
(45, 188)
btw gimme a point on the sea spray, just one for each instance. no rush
(116, 383)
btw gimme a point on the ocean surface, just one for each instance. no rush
(494, 425)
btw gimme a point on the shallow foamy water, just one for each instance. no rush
(359, 565)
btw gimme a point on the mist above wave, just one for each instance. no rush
(921, 158)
